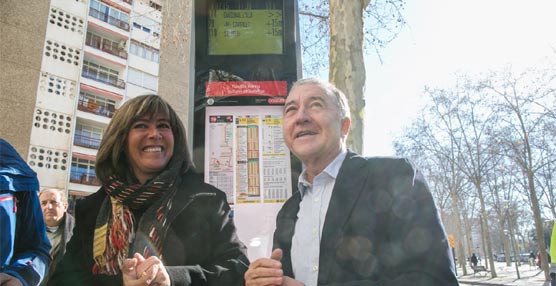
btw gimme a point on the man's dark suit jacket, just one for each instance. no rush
(382, 228)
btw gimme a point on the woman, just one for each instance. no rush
(153, 221)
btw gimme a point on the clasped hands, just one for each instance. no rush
(138, 271)
(268, 272)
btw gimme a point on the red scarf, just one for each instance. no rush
(114, 228)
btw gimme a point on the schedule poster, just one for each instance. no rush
(246, 156)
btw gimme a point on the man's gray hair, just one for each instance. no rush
(62, 193)
(341, 99)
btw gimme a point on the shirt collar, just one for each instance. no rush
(332, 170)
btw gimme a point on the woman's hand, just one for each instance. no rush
(138, 271)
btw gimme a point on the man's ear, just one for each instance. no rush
(346, 124)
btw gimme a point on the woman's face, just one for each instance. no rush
(150, 145)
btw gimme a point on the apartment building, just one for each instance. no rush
(70, 64)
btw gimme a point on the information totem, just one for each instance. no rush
(246, 59)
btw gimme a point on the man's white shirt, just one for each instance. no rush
(315, 199)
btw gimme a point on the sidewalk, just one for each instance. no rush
(529, 276)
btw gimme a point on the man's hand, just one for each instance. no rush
(291, 282)
(266, 271)
(9, 280)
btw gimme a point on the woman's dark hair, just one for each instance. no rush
(111, 158)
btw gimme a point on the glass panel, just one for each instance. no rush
(134, 49)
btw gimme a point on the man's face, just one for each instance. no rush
(312, 127)
(53, 208)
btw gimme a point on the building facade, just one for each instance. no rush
(68, 65)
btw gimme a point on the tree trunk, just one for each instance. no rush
(483, 241)
(539, 230)
(502, 216)
(535, 201)
(505, 245)
(486, 233)
(459, 232)
(347, 68)
(468, 238)
(514, 245)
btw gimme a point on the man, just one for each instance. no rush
(474, 260)
(354, 220)
(24, 246)
(59, 224)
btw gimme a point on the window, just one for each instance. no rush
(101, 43)
(98, 6)
(120, 15)
(88, 136)
(100, 73)
(147, 25)
(155, 5)
(96, 104)
(141, 27)
(144, 51)
(143, 79)
(99, 100)
(93, 40)
(108, 14)
(83, 171)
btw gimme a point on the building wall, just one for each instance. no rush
(43, 46)
(176, 60)
(54, 115)
(23, 27)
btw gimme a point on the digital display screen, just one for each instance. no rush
(245, 32)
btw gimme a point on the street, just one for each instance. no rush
(506, 275)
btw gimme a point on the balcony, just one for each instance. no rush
(84, 178)
(95, 74)
(106, 47)
(86, 141)
(108, 19)
(87, 105)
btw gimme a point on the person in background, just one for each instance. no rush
(354, 220)
(24, 247)
(154, 221)
(474, 260)
(59, 224)
(532, 258)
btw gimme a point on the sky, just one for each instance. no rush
(443, 37)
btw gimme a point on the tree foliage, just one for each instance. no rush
(383, 21)
(497, 129)
(335, 34)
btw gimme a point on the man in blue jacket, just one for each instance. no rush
(24, 246)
